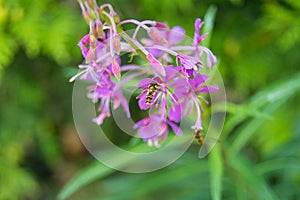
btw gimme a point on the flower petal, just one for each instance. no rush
(143, 122)
(119, 99)
(144, 83)
(161, 25)
(180, 87)
(156, 65)
(211, 59)
(175, 113)
(149, 129)
(197, 37)
(164, 131)
(116, 70)
(175, 128)
(142, 102)
(155, 52)
(198, 80)
(154, 33)
(209, 88)
(170, 73)
(84, 44)
(99, 120)
(176, 35)
(188, 62)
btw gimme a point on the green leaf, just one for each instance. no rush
(16, 182)
(8, 47)
(86, 176)
(216, 172)
(97, 171)
(283, 89)
(266, 101)
(244, 110)
(182, 172)
(278, 164)
(209, 20)
(280, 90)
(246, 177)
(250, 128)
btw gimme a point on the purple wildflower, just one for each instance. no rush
(104, 90)
(164, 93)
(163, 38)
(189, 64)
(170, 112)
(174, 91)
(154, 129)
(190, 95)
(197, 37)
(210, 58)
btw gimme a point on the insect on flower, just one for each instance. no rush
(199, 136)
(175, 90)
(152, 89)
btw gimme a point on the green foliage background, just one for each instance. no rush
(257, 43)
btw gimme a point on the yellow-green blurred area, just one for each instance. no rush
(258, 156)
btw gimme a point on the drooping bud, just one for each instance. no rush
(84, 11)
(93, 41)
(91, 54)
(211, 60)
(156, 65)
(99, 28)
(161, 25)
(188, 62)
(156, 36)
(92, 15)
(116, 70)
(197, 37)
(116, 44)
(86, 17)
(90, 4)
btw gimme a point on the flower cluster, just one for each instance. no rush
(174, 86)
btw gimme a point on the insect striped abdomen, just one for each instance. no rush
(152, 89)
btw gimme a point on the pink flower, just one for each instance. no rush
(155, 129)
(172, 91)
(197, 37)
(165, 37)
(189, 64)
(105, 92)
(156, 65)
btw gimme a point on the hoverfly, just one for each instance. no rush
(199, 136)
(152, 89)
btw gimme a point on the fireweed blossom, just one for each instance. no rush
(174, 85)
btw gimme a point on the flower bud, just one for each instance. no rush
(161, 25)
(156, 65)
(92, 15)
(116, 44)
(86, 17)
(156, 36)
(116, 70)
(99, 29)
(90, 4)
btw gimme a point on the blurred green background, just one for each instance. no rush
(257, 157)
